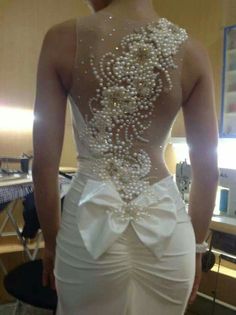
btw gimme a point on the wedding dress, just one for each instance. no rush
(126, 245)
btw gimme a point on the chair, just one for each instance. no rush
(25, 284)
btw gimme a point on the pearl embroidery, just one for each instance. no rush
(130, 211)
(129, 83)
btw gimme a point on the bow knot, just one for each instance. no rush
(103, 216)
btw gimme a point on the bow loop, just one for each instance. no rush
(103, 216)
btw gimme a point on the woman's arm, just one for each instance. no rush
(202, 138)
(48, 133)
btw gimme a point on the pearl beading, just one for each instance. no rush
(130, 211)
(128, 86)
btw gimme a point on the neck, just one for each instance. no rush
(132, 5)
(130, 8)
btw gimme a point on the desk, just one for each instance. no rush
(11, 191)
(219, 287)
(223, 238)
(227, 226)
(223, 224)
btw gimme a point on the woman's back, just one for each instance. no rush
(127, 81)
(125, 243)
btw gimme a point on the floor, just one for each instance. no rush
(200, 307)
(9, 310)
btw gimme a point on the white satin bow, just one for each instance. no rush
(100, 225)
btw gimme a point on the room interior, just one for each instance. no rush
(23, 25)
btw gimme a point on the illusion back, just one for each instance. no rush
(125, 95)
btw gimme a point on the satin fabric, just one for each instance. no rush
(127, 278)
(100, 220)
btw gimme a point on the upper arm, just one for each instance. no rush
(199, 108)
(49, 108)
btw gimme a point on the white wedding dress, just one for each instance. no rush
(126, 245)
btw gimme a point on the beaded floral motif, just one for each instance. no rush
(129, 84)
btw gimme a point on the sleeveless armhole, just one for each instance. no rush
(75, 59)
(184, 55)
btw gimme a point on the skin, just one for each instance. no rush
(121, 7)
(54, 80)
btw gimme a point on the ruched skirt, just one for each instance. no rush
(128, 279)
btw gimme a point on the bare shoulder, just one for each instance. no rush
(60, 36)
(196, 54)
(67, 29)
(59, 46)
(196, 64)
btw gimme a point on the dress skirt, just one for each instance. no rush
(128, 279)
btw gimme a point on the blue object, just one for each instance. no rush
(224, 195)
(226, 62)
